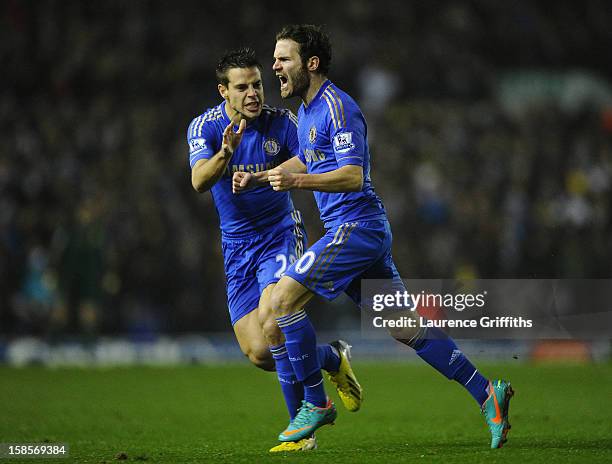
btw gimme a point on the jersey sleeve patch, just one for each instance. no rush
(343, 142)
(195, 145)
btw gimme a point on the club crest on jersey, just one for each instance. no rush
(343, 142)
(197, 145)
(312, 135)
(271, 147)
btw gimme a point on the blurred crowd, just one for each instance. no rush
(101, 232)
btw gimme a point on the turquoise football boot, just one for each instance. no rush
(495, 410)
(309, 418)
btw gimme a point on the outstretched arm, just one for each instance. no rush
(206, 172)
(245, 180)
(347, 178)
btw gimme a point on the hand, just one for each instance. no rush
(232, 139)
(242, 181)
(280, 179)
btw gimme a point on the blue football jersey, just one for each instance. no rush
(333, 133)
(267, 142)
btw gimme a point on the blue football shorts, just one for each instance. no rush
(344, 256)
(252, 263)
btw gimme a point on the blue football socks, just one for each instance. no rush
(292, 388)
(329, 358)
(440, 351)
(301, 345)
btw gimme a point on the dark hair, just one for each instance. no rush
(240, 58)
(313, 41)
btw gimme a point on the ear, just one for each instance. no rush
(222, 91)
(312, 64)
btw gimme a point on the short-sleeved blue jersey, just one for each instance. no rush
(333, 133)
(267, 142)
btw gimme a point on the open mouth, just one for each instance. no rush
(283, 81)
(253, 106)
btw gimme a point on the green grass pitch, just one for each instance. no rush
(209, 414)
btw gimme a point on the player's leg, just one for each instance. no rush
(245, 273)
(254, 345)
(282, 249)
(327, 268)
(329, 355)
(287, 302)
(291, 387)
(243, 299)
(442, 353)
(431, 344)
(252, 341)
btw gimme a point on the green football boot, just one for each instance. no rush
(309, 418)
(347, 386)
(495, 410)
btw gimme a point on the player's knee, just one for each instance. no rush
(268, 324)
(403, 332)
(261, 358)
(271, 331)
(282, 301)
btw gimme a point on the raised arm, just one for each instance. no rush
(206, 172)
